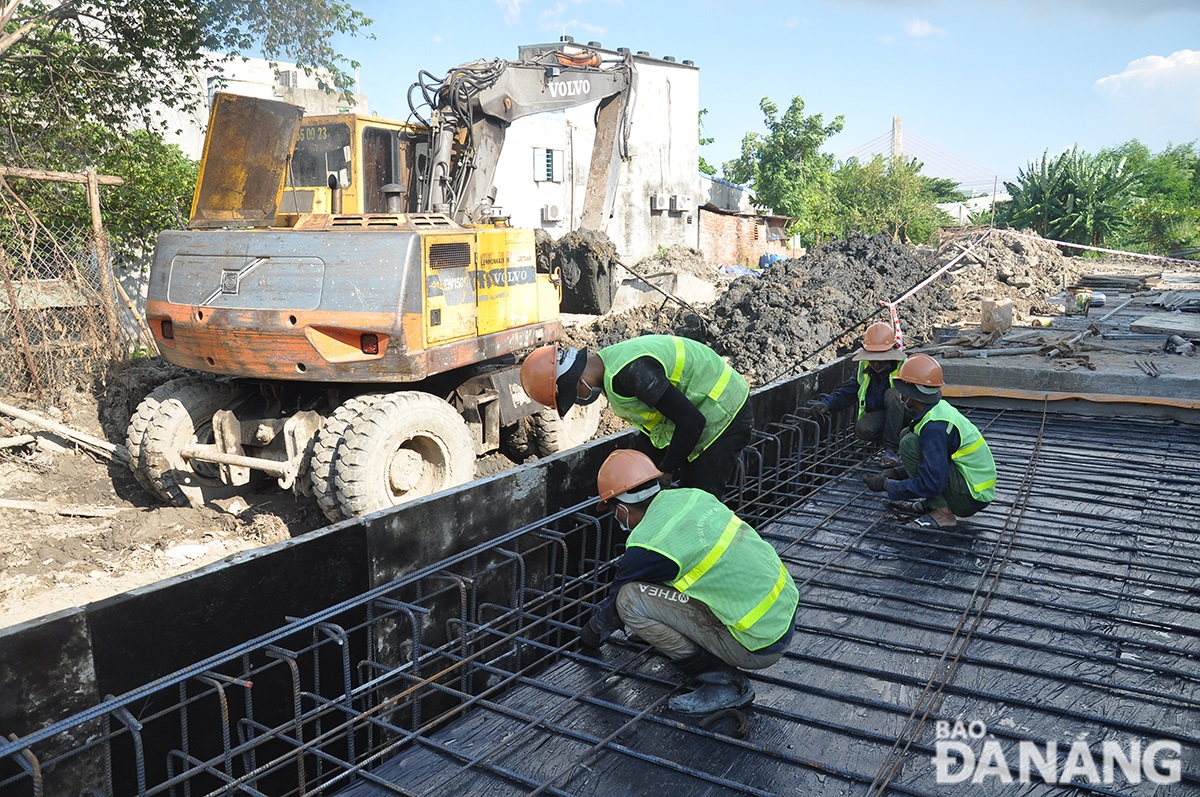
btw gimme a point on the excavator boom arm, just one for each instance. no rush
(477, 103)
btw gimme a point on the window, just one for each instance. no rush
(321, 150)
(547, 165)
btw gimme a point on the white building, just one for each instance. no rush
(656, 195)
(251, 77)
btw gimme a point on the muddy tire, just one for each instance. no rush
(185, 417)
(401, 446)
(326, 450)
(143, 416)
(551, 434)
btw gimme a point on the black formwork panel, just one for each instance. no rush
(1052, 639)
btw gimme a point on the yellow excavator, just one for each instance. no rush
(350, 302)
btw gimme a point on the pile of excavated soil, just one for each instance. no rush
(1006, 267)
(680, 260)
(799, 313)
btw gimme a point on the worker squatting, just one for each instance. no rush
(964, 753)
(696, 582)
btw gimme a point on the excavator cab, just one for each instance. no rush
(347, 163)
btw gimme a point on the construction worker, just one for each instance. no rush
(881, 412)
(948, 469)
(695, 581)
(689, 404)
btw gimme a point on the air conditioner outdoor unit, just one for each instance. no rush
(551, 213)
(682, 203)
(660, 202)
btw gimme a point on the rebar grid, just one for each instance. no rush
(464, 677)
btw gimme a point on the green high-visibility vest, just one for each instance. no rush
(864, 380)
(723, 563)
(705, 379)
(973, 457)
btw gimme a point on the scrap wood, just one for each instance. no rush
(15, 442)
(52, 508)
(95, 445)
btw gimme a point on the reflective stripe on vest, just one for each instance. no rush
(701, 375)
(864, 382)
(722, 562)
(973, 457)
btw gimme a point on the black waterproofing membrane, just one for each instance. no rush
(1047, 646)
(1065, 613)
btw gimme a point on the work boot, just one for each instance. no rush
(915, 506)
(721, 686)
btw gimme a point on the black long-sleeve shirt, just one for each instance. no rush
(645, 379)
(847, 395)
(939, 440)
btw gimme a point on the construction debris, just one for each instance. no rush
(95, 445)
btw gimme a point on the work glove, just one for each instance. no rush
(818, 409)
(590, 635)
(876, 482)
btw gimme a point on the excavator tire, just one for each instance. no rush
(551, 434)
(185, 417)
(143, 416)
(401, 446)
(325, 455)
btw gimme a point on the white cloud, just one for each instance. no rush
(920, 27)
(1164, 89)
(437, 39)
(511, 9)
(552, 19)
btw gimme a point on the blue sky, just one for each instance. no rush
(983, 86)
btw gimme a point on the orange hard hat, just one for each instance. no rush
(921, 369)
(538, 375)
(879, 337)
(549, 376)
(623, 470)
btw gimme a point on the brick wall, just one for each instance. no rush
(729, 240)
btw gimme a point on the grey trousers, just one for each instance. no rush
(679, 626)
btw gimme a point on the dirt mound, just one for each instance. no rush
(681, 260)
(1007, 267)
(772, 325)
(809, 310)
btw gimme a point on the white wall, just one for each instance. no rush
(251, 77)
(664, 157)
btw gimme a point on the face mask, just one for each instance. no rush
(617, 517)
(593, 394)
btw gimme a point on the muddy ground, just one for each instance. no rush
(790, 318)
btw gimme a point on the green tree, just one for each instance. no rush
(1075, 197)
(1168, 218)
(787, 170)
(888, 196)
(109, 61)
(156, 195)
(705, 166)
